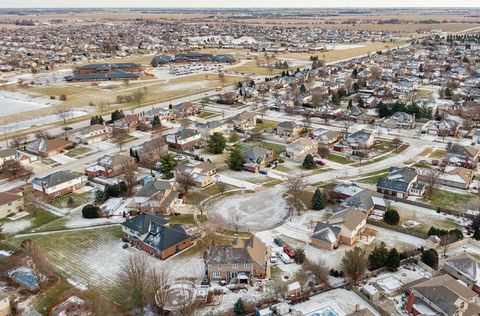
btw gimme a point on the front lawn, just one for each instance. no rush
(197, 196)
(77, 151)
(438, 153)
(338, 159)
(264, 125)
(275, 147)
(207, 114)
(78, 200)
(441, 198)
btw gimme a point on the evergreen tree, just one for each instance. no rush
(393, 260)
(383, 110)
(476, 234)
(448, 92)
(90, 211)
(217, 143)
(378, 257)
(335, 99)
(235, 161)
(355, 73)
(391, 217)
(156, 121)
(168, 164)
(430, 258)
(318, 202)
(117, 114)
(309, 162)
(476, 222)
(239, 308)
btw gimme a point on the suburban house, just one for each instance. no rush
(94, 134)
(208, 128)
(441, 295)
(399, 120)
(465, 156)
(240, 261)
(201, 173)
(444, 127)
(45, 147)
(358, 115)
(185, 109)
(24, 157)
(152, 150)
(7, 154)
(129, 122)
(150, 233)
(11, 202)
(287, 129)
(398, 183)
(366, 201)
(359, 140)
(57, 184)
(344, 227)
(158, 196)
(343, 191)
(109, 166)
(163, 114)
(256, 158)
(228, 98)
(325, 136)
(244, 121)
(452, 176)
(465, 268)
(298, 149)
(185, 139)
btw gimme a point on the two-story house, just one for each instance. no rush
(57, 184)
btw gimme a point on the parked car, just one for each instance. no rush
(286, 258)
(278, 242)
(320, 162)
(289, 251)
(263, 171)
(273, 258)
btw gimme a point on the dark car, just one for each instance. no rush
(278, 242)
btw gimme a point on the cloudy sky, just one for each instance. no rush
(243, 3)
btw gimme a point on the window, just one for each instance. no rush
(216, 275)
(247, 265)
(235, 266)
(219, 266)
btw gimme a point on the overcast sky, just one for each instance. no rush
(243, 3)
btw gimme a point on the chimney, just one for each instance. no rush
(357, 307)
(411, 297)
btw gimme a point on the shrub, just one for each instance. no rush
(430, 258)
(90, 211)
(391, 217)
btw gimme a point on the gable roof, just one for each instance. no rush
(142, 222)
(55, 178)
(365, 200)
(253, 154)
(349, 217)
(163, 237)
(326, 232)
(466, 265)
(398, 179)
(227, 254)
(152, 187)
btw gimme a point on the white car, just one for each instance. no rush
(273, 258)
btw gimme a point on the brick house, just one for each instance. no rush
(398, 183)
(184, 139)
(244, 121)
(201, 173)
(256, 158)
(45, 147)
(94, 134)
(11, 202)
(57, 184)
(300, 148)
(109, 166)
(158, 196)
(150, 233)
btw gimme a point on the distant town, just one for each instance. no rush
(265, 162)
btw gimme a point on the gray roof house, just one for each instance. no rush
(398, 182)
(366, 201)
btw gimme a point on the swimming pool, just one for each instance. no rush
(325, 311)
(25, 277)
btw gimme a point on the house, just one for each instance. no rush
(208, 128)
(150, 151)
(228, 98)
(94, 134)
(462, 154)
(325, 136)
(300, 148)
(201, 173)
(452, 176)
(441, 295)
(129, 122)
(444, 127)
(465, 268)
(244, 121)
(241, 261)
(11, 202)
(45, 147)
(361, 312)
(287, 129)
(399, 120)
(72, 306)
(366, 201)
(109, 166)
(24, 157)
(158, 196)
(345, 227)
(343, 191)
(185, 109)
(358, 115)
(150, 233)
(185, 139)
(360, 140)
(398, 183)
(58, 183)
(256, 158)
(433, 242)
(7, 154)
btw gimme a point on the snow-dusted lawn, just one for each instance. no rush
(95, 256)
(253, 211)
(11, 227)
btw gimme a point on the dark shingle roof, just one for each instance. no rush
(56, 178)
(228, 255)
(141, 223)
(398, 179)
(162, 237)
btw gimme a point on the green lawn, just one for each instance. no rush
(78, 151)
(438, 153)
(422, 165)
(383, 146)
(78, 199)
(372, 179)
(264, 125)
(207, 114)
(47, 298)
(451, 200)
(338, 159)
(186, 219)
(197, 196)
(282, 168)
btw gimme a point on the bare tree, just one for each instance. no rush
(120, 135)
(130, 176)
(26, 174)
(307, 117)
(236, 221)
(64, 113)
(186, 302)
(210, 229)
(222, 187)
(36, 260)
(184, 178)
(319, 270)
(361, 155)
(347, 124)
(446, 241)
(17, 141)
(432, 183)
(295, 185)
(397, 142)
(354, 264)
(42, 134)
(139, 95)
(135, 278)
(161, 282)
(221, 77)
(13, 168)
